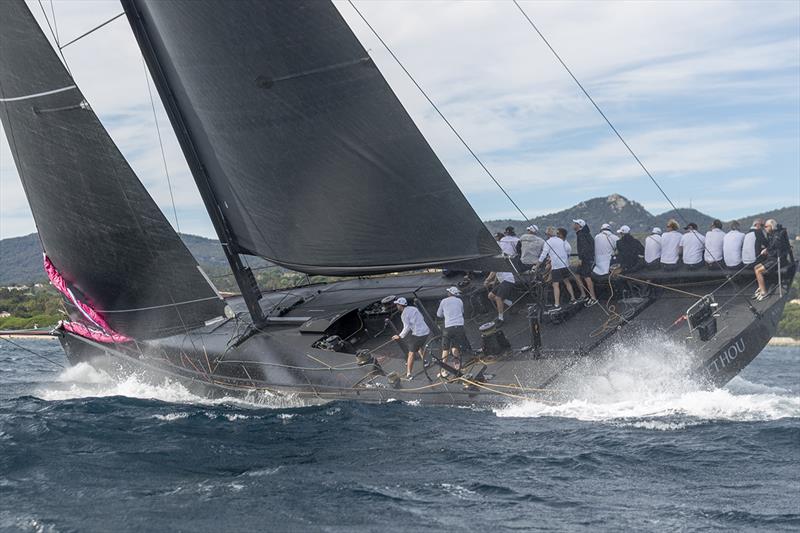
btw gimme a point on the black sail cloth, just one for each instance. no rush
(310, 158)
(97, 223)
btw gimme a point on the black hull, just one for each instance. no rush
(285, 360)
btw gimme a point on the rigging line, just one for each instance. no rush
(160, 141)
(55, 38)
(32, 352)
(602, 114)
(441, 115)
(79, 37)
(55, 22)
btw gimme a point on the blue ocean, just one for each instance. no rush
(630, 451)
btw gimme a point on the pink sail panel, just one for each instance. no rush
(106, 333)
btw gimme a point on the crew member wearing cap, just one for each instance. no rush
(671, 246)
(732, 247)
(454, 339)
(605, 244)
(652, 249)
(692, 247)
(501, 292)
(714, 245)
(414, 326)
(754, 243)
(583, 276)
(629, 250)
(509, 242)
(558, 250)
(531, 246)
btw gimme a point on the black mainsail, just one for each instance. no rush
(306, 156)
(98, 225)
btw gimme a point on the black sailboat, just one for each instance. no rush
(284, 118)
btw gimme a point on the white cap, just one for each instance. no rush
(534, 228)
(454, 291)
(657, 231)
(580, 222)
(401, 301)
(606, 226)
(624, 229)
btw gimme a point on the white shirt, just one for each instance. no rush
(452, 310)
(732, 248)
(652, 248)
(714, 245)
(558, 250)
(509, 245)
(749, 248)
(670, 242)
(532, 246)
(413, 322)
(605, 244)
(693, 245)
(504, 276)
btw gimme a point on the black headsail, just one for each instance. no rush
(97, 223)
(306, 156)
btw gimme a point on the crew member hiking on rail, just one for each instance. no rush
(629, 251)
(454, 339)
(714, 252)
(692, 247)
(671, 246)
(732, 247)
(652, 250)
(415, 326)
(585, 243)
(558, 250)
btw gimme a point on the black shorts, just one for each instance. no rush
(415, 343)
(585, 269)
(559, 274)
(654, 265)
(696, 266)
(669, 267)
(735, 268)
(454, 337)
(505, 290)
(770, 265)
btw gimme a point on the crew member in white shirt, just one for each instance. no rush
(531, 247)
(502, 291)
(454, 339)
(714, 245)
(670, 246)
(509, 243)
(652, 249)
(415, 330)
(753, 244)
(605, 245)
(732, 247)
(692, 247)
(558, 249)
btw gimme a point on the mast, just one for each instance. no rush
(244, 275)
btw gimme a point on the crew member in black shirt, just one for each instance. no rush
(629, 251)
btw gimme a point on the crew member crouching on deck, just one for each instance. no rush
(415, 326)
(454, 339)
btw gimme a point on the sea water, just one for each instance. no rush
(631, 444)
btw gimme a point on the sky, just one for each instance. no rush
(706, 93)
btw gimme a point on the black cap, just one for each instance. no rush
(691, 225)
(509, 229)
(717, 224)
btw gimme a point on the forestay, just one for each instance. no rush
(99, 227)
(308, 155)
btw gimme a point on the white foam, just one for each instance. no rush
(640, 385)
(169, 417)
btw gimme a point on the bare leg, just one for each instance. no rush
(410, 363)
(590, 286)
(569, 289)
(579, 283)
(456, 358)
(762, 286)
(556, 293)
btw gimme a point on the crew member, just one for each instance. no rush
(732, 247)
(652, 249)
(585, 243)
(531, 247)
(692, 247)
(558, 250)
(629, 250)
(509, 242)
(753, 244)
(454, 339)
(775, 255)
(714, 249)
(414, 326)
(501, 292)
(605, 244)
(670, 246)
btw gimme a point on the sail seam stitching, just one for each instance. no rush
(38, 95)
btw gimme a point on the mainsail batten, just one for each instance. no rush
(97, 223)
(313, 161)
